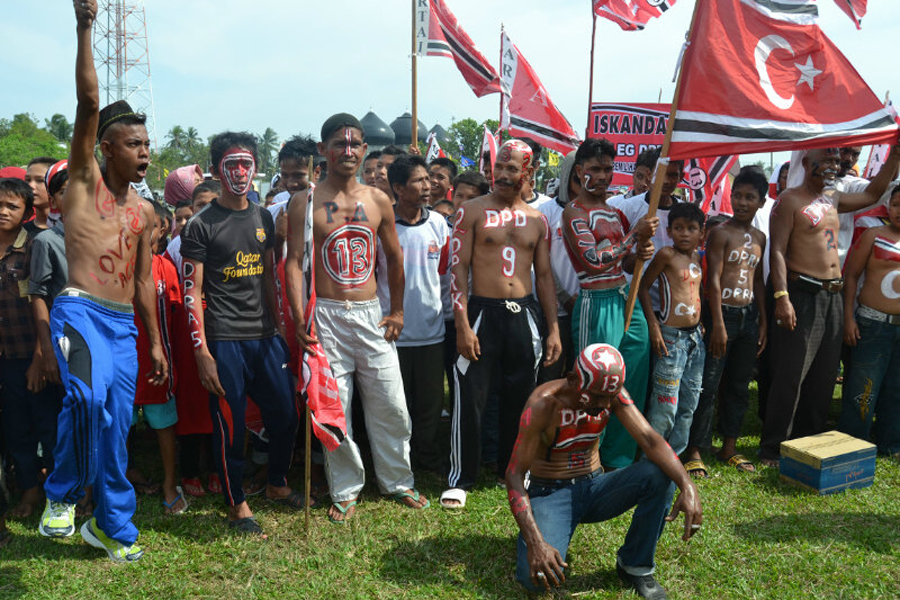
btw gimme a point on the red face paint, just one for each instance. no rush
(237, 169)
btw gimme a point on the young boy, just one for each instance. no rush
(675, 333)
(874, 334)
(183, 211)
(158, 401)
(737, 319)
(29, 408)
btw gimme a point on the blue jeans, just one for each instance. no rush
(874, 385)
(677, 379)
(734, 371)
(558, 509)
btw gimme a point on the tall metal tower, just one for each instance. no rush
(122, 56)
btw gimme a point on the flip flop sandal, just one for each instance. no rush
(343, 510)
(414, 496)
(457, 494)
(248, 526)
(214, 484)
(193, 487)
(170, 505)
(294, 501)
(739, 462)
(696, 468)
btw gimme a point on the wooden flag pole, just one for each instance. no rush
(658, 177)
(307, 448)
(414, 126)
(587, 130)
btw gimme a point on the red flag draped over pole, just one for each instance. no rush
(855, 9)
(437, 33)
(631, 15)
(780, 84)
(527, 109)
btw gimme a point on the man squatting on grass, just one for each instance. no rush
(559, 436)
(92, 321)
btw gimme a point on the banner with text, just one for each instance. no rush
(632, 128)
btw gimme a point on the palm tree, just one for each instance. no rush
(192, 138)
(60, 127)
(267, 145)
(177, 138)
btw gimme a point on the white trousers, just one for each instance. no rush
(348, 332)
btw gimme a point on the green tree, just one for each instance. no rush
(21, 139)
(177, 139)
(60, 127)
(467, 133)
(267, 144)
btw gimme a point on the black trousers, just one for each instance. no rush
(509, 337)
(803, 364)
(422, 370)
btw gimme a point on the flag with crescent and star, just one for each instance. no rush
(761, 75)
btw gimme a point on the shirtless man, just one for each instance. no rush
(736, 333)
(92, 321)
(601, 252)
(500, 238)
(559, 434)
(809, 315)
(339, 241)
(873, 333)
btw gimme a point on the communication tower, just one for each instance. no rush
(122, 56)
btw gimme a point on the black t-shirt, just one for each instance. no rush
(231, 245)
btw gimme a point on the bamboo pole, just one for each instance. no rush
(414, 126)
(307, 449)
(587, 130)
(658, 177)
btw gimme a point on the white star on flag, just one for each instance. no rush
(808, 72)
(606, 357)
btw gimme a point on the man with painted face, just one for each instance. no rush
(809, 317)
(332, 236)
(559, 434)
(238, 341)
(601, 252)
(92, 320)
(497, 238)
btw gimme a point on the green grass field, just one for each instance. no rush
(761, 539)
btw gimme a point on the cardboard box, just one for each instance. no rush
(829, 462)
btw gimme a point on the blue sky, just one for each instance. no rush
(289, 64)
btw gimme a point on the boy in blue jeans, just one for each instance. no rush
(675, 333)
(737, 324)
(872, 331)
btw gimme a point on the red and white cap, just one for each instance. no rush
(600, 368)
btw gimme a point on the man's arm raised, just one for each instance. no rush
(387, 234)
(660, 453)
(877, 187)
(145, 298)
(542, 557)
(293, 268)
(87, 91)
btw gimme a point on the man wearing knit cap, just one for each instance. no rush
(92, 321)
(333, 236)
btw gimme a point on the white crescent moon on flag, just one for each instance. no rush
(887, 285)
(763, 49)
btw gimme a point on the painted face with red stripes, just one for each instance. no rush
(237, 169)
(513, 166)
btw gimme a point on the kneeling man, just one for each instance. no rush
(559, 435)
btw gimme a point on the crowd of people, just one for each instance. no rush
(199, 311)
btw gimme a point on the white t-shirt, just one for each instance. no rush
(426, 253)
(563, 271)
